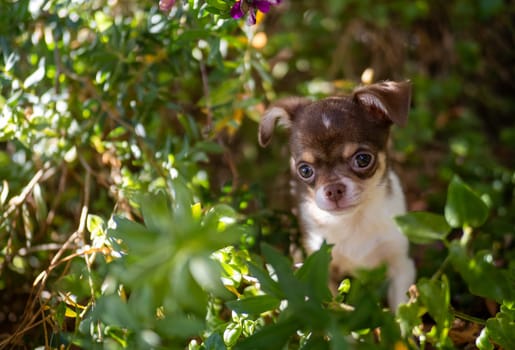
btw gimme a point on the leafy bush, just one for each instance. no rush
(138, 212)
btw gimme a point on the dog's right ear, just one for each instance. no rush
(282, 113)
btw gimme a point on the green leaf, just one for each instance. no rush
(207, 273)
(177, 325)
(95, 225)
(268, 285)
(435, 295)
(219, 4)
(4, 193)
(316, 343)
(156, 212)
(134, 235)
(275, 334)
(37, 76)
(409, 317)
(483, 340)
(464, 207)
(41, 207)
(501, 329)
(113, 311)
(11, 61)
(315, 272)
(214, 342)
(186, 291)
(482, 277)
(232, 333)
(219, 214)
(294, 290)
(423, 227)
(254, 305)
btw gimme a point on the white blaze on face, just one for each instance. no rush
(326, 121)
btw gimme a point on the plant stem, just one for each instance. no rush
(469, 318)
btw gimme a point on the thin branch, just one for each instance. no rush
(30, 318)
(207, 96)
(469, 318)
(16, 201)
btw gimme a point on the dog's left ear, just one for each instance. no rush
(283, 113)
(390, 99)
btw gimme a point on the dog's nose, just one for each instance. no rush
(334, 192)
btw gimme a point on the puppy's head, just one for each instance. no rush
(338, 144)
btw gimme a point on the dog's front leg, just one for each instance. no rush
(401, 273)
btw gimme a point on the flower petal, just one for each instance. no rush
(236, 10)
(262, 5)
(166, 5)
(251, 19)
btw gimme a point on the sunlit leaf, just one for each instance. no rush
(464, 207)
(435, 295)
(501, 328)
(423, 227)
(95, 225)
(207, 273)
(11, 61)
(268, 285)
(232, 333)
(4, 193)
(37, 76)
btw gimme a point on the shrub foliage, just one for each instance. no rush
(136, 210)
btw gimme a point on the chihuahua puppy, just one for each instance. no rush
(346, 191)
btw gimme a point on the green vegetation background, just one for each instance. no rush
(137, 211)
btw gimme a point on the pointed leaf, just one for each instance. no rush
(294, 290)
(464, 207)
(41, 207)
(215, 342)
(113, 311)
(275, 335)
(4, 193)
(315, 272)
(207, 274)
(268, 285)
(37, 76)
(156, 212)
(423, 227)
(254, 305)
(136, 236)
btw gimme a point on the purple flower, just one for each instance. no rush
(166, 5)
(251, 6)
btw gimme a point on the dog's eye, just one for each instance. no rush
(362, 160)
(305, 171)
